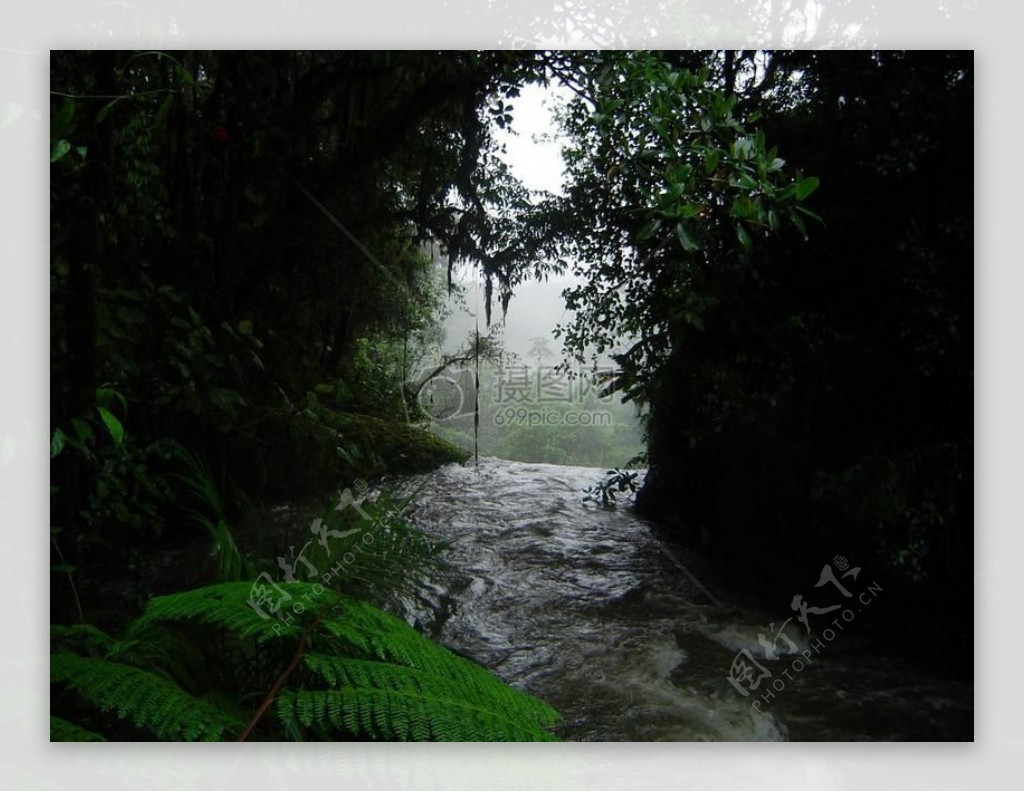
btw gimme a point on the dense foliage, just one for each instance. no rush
(239, 270)
(204, 665)
(806, 353)
(242, 279)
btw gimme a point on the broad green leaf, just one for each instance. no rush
(742, 148)
(56, 442)
(806, 186)
(743, 236)
(799, 225)
(648, 230)
(105, 395)
(711, 161)
(59, 149)
(742, 207)
(687, 241)
(810, 214)
(82, 429)
(680, 175)
(113, 425)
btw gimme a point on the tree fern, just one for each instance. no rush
(384, 552)
(340, 667)
(376, 698)
(150, 702)
(225, 605)
(383, 714)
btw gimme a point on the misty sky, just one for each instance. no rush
(533, 152)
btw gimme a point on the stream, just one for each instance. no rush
(586, 608)
(633, 640)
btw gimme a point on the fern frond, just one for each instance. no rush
(82, 637)
(403, 715)
(66, 731)
(390, 644)
(386, 680)
(224, 605)
(151, 702)
(385, 552)
(372, 631)
(406, 687)
(450, 687)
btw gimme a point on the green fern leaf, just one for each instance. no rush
(386, 681)
(225, 605)
(448, 681)
(151, 702)
(403, 715)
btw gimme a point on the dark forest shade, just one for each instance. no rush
(828, 407)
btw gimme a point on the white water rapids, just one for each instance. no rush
(586, 608)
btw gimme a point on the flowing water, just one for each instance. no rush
(587, 609)
(631, 639)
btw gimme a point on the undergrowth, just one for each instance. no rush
(615, 482)
(207, 665)
(300, 656)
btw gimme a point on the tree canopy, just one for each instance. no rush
(778, 247)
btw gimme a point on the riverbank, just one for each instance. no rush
(915, 619)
